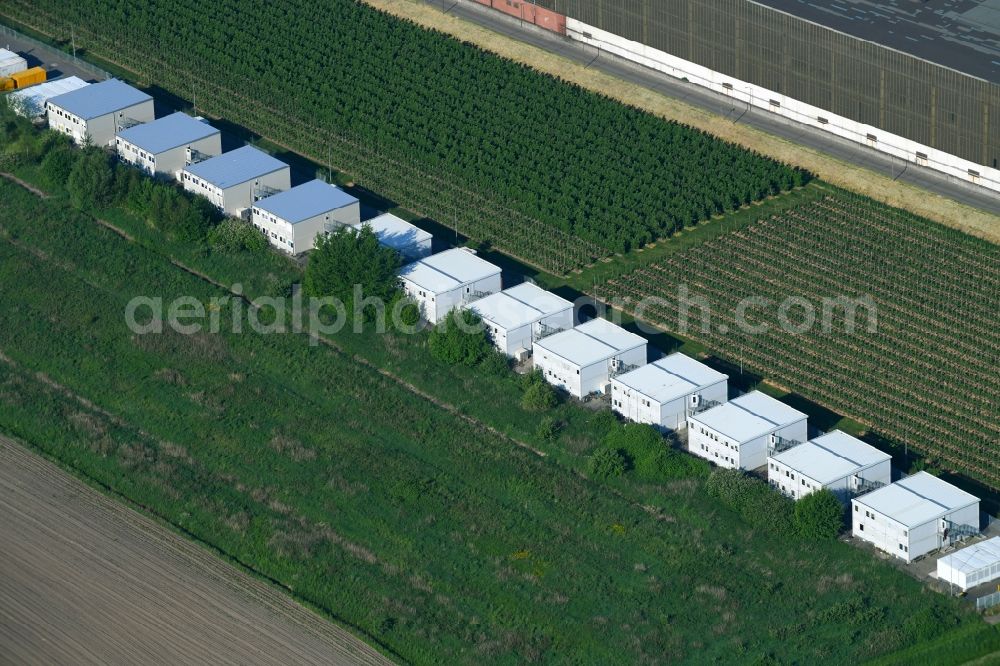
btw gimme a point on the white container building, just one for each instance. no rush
(96, 113)
(446, 280)
(664, 392)
(409, 241)
(11, 63)
(914, 516)
(583, 360)
(971, 566)
(165, 146)
(234, 181)
(835, 461)
(516, 317)
(30, 102)
(737, 434)
(292, 219)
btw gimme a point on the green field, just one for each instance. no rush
(543, 170)
(926, 374)
(436, 535)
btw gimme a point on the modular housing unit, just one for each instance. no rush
(163, 147)
(11, 63)
(583, 360)
(914, 516)
(411, 242)
(235, 180)
(835, 461)
(447, 280)
(30, 102)
(96, 113)
(664, 392)
(516, 317)
(971, 566)
(292, 219)
(737, 434)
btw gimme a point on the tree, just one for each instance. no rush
(57, 166)
(607, 464)
(650, 455)
(819, 516)
(347, 258)
(91, 182)
(460, 338)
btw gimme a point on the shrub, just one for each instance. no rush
(538, 397)
(756, 502)
(234, 236)
(819, 516)
(57, 166)
(548, 429)
(650, 455)
(459, 339)
(607, 464)
(495, 363)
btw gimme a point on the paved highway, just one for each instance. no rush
(847, 151)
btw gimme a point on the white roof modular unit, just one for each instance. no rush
(582, 360)
(738, 433)
(835, 461)
(914, 516)
(975, 565)
(97, 112)
(664, 392)
(292, 219)
(409, 241)
(11, 63)
(30, 102)
(443, 281)
(165, 146)
(233, 181)
(517, 316)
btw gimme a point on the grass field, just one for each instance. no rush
(437, 537)
(81, 571)
(926, 375)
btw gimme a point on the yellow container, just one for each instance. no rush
(28, 77)
(6, 83)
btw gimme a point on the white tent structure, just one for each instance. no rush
(975, 565)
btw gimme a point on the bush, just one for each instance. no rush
(607, 464)
(548, 429)
(459, 339)
(57, 166)
(649, 455)
(819, 516)
(495, 363)
(539, 397)
(756, 502)
(235, 236)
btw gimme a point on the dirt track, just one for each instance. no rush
(84, 579)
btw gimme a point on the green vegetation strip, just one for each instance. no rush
(438, 538)
(543, 170)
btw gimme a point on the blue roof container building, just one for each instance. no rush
(291, 220)
(96, 113)
(234, 181)
(167, 145)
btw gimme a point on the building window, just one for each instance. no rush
(861, 527)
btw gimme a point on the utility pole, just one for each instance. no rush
(72, 39)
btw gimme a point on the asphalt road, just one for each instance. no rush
(56, 63)
(86, 580)
(847, 151)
